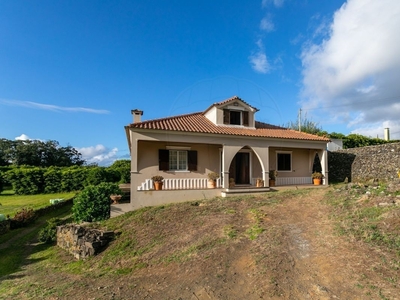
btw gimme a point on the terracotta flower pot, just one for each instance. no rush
(317, 181)
(212, 184)
(158, 185)
(271, 182)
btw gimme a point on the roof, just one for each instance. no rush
(198, 123)
(232, 99)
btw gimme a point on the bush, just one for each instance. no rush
(73, 179)
(52, 180)
(93, 202)
(26, 181)
(97, 175)
(48, 234)
(124, 169)
(1, 181)
(23, 217)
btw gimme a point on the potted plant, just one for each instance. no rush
(317, 178)
(231, 182)
(272, 177)
(157, 182)
(212, 180)
(259, 182)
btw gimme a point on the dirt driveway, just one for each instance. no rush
(281, 246)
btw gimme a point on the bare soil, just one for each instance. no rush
(279, 246)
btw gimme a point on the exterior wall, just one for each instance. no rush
(154, 198)
(213, 115)
(335, 144)
(301, 164)
(207, 160)
(144, 160)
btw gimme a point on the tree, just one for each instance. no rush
(38, 153)
(306, 125)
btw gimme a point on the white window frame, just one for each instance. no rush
(179, 154)
(291, 160)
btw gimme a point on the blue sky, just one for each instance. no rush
(72, 71)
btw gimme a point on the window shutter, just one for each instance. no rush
(163, 160)
(226, 116)
(245, 116)
(192, 160)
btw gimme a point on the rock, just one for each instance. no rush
(82, 242)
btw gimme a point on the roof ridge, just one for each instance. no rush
(169, 118)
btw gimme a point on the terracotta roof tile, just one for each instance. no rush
(198, 123)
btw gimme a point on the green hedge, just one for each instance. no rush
(28, 180)
(52, 180)
(73, 178)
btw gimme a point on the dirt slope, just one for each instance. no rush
(278, 246)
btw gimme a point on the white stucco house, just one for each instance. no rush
(224, 138)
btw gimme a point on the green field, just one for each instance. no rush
(11, 203)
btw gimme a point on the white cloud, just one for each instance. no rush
(354, 71)
(99, 154)
(23, 137)
(258, 60)
(266, 24)
(51, 107)
(377, 130)
(277, 3)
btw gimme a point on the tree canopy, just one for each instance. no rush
(38, 153)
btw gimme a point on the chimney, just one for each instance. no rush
(386, 134)
(137, 115)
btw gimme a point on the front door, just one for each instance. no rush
(240, 168)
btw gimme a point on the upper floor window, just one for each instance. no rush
(236, 117)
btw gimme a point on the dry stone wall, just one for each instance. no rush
(380, 162)
(82, 242)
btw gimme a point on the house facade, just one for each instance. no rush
(225, 139)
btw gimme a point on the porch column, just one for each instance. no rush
(323, 154)
(134, 170)
(228, 153)
(134, 155)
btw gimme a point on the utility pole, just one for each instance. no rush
(300, 119)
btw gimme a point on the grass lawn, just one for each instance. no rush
(10, 203)
(14, 245)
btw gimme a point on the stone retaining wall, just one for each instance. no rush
(360, 164)
(82, 242)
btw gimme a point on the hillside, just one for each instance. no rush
(335, 243)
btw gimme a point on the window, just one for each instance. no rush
(284, 161)
(236, 117)
(177, 160)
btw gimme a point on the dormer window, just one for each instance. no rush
(236, 117)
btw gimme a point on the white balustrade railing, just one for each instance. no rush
(293, 180)
(179, 184)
